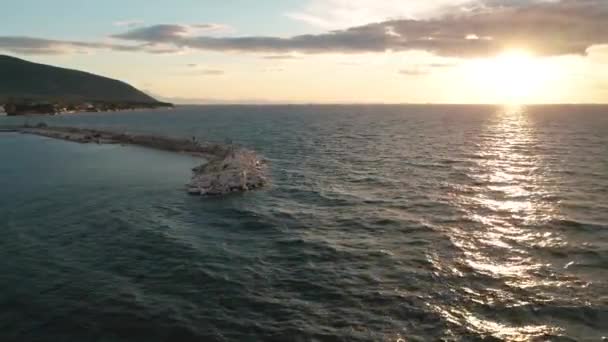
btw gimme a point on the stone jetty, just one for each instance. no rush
(227, 168)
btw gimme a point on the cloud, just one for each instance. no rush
(425, 69)
(279, 57)
(167, 33)
(40, 46)
(340, 14)
(128, 23)
(155, 49)
(211, 72)
(155, 34)
(479, 29)
(29, 45)
(211, 27)
(202, 71)
(547, 27)
(199, 69)
(414, 72)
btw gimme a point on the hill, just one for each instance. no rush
(22, 80)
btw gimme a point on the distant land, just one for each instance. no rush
(32, 88)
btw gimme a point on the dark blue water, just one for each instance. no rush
(382, 222)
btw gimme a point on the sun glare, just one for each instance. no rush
(515, 76)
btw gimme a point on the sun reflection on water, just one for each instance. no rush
(512, 191)
(498, 330)
(510, 198)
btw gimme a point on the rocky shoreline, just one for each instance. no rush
(227, 168)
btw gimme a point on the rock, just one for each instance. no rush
(238, 170)
(194, 191)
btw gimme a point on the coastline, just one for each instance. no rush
(86, 111)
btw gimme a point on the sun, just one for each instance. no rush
(515, 76)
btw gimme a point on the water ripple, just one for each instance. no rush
(382, 223)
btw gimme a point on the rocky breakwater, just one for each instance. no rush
(227, 168)
(238, 170)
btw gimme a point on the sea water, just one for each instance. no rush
(381, 223)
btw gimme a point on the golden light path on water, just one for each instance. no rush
(510, 194)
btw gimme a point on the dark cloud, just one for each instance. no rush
(151, 40)
(156, 50)
(38, 46)
(165, 33)
(29, 45)
(155, 34)
(547, 27)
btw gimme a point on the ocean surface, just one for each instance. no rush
(382, 223)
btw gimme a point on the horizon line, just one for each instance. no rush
(385, 104)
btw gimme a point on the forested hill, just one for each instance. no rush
(23, 80)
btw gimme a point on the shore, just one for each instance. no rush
(227, 168)
(25, 109)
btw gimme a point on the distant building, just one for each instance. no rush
(13, 109)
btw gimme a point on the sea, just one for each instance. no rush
(381, 223)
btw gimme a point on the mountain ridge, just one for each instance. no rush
(22, 80)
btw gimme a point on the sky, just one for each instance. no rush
(325, 51)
